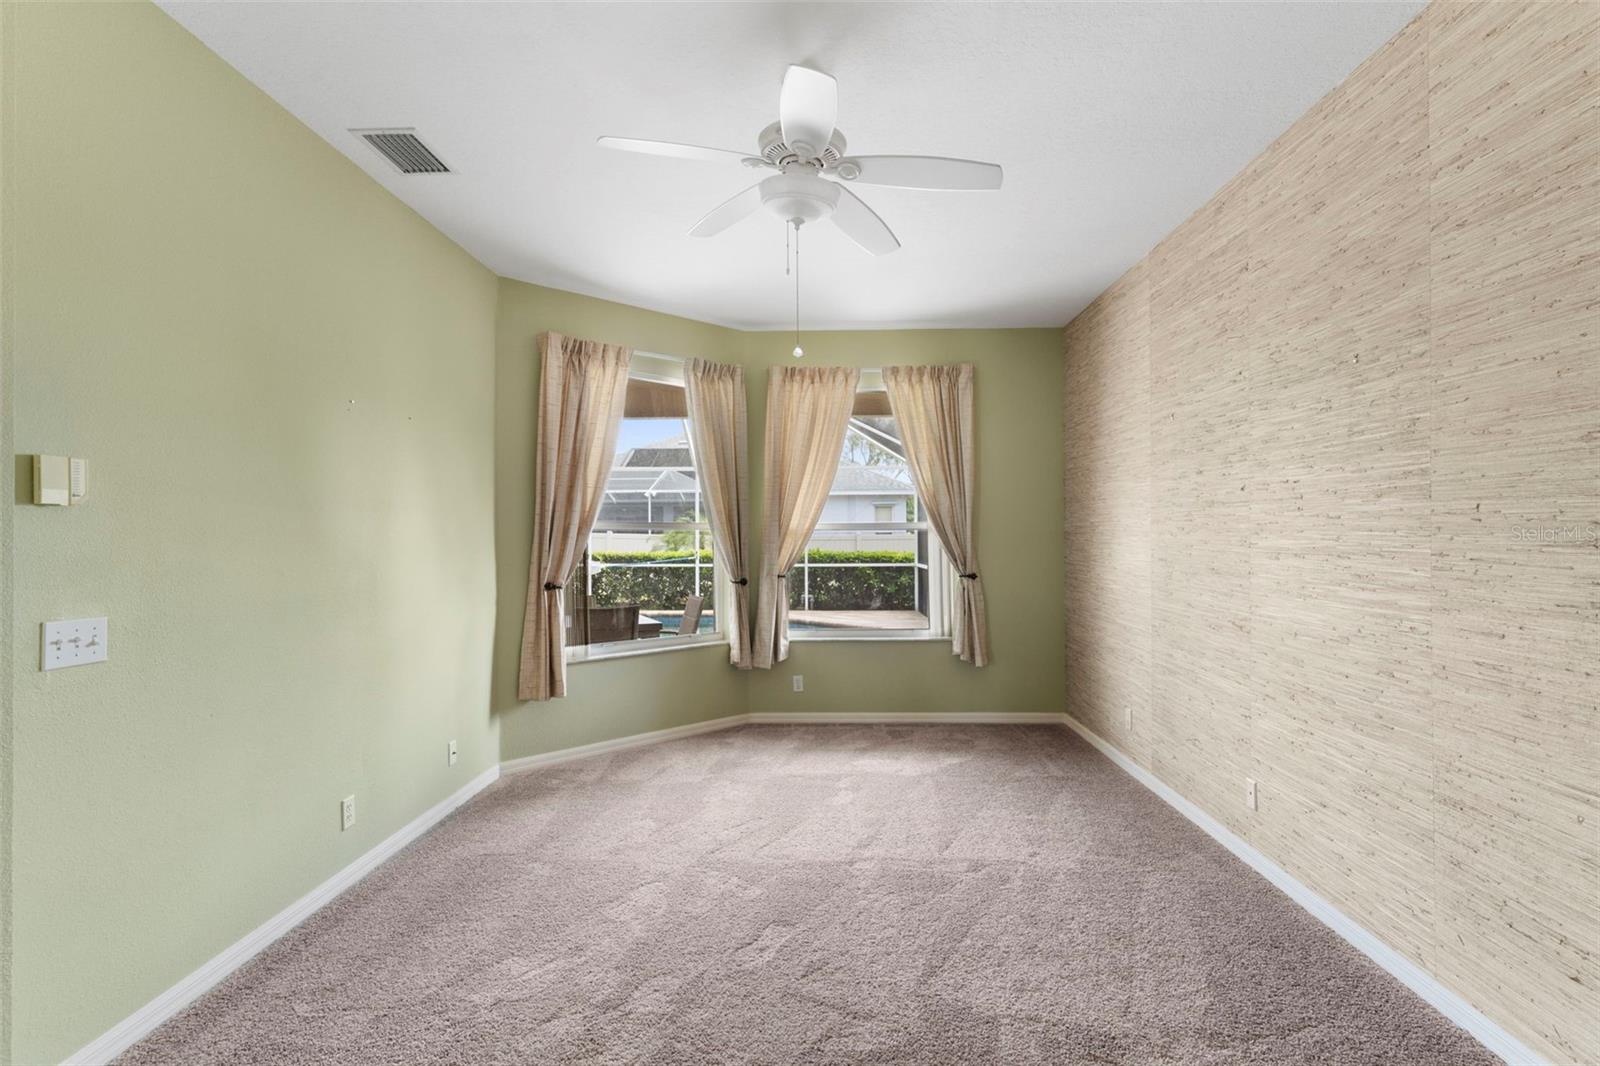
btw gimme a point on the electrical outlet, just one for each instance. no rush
(1250, 793)
(452, 753)
(799, 682)
(347, 812)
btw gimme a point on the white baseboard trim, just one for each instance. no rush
(1408, 973)
(147, 1018)
(661, 736)
(636, 740)
(881, 718)
(143, 1022)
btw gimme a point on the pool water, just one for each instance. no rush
(669, 622)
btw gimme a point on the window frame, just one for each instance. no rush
(940, 573)
(661, 370)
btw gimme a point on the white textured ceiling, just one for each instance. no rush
(1114, 122)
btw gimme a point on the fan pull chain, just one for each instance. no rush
(799, 351)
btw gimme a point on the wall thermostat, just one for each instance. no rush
(59, 480)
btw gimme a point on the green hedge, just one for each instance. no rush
(826, 555)
(855, 588)
(663, 556)
(651, 587)
(845, 588)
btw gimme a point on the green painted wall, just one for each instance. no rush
(1020, 461)
(301, 517)
(1018, 415)
(7, 491)
(283, 381)
(604, 699)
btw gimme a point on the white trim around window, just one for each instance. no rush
(627, 649)
(665, 370)
(623, 649)
(940, 578)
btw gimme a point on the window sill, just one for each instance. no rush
(883, 637)
(655, 646)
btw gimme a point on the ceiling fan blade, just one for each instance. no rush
(670, 148)
(808, 108)
(862, 225)
(721, 217)
(925, 172)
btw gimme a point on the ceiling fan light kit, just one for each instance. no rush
(799, 196)
(807, 150)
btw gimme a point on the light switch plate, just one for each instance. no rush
(50, 480)
(73, 643)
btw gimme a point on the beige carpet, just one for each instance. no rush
(816, 894)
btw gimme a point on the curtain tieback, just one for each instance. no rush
(783, 576)
(551, 586)
(969, 577)
(741, 581)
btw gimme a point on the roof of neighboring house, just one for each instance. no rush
(657, 457)
(667, 452)
(852, 479)
(655, 467)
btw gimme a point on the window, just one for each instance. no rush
(649, 578)
(872, 568)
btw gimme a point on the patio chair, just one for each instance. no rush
(690, 623)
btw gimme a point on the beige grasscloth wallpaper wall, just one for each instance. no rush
(1333, 494)
(1328, 494)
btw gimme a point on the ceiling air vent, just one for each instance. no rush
(401, 147)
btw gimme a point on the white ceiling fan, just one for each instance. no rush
(808, 153)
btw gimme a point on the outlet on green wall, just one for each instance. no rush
(1018, 418)
(283, 381)
(310, 419)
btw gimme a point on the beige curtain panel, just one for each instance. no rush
(933, 407)
(808, 409)
(715, 394)
(582, 389)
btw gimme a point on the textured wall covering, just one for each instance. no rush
(1333, 494)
